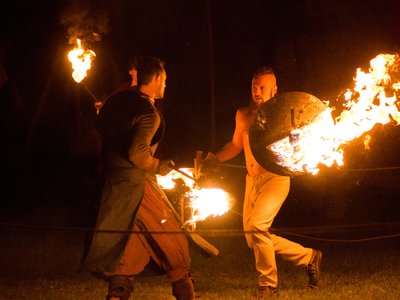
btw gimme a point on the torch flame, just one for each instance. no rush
(81, 60)
(203, 202)
(372, 101)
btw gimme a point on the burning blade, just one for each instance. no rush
(202, 202)
(208, 202)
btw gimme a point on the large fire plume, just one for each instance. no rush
(81, 59)
(203, 202)
(373, 100)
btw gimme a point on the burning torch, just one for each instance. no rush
(81, 59)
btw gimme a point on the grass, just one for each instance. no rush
(45, 265)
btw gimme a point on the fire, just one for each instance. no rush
(207, 202)
(81, 60)
(168, 182)
(372, 101)
(203, 202)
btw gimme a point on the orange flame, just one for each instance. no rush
(372, 101)
(208, 202)
(167, 182)
(81, 60)
(204, 202)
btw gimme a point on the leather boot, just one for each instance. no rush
(313, 269)
(119, 287)
(183, 289)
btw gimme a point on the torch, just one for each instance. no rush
(81, 59)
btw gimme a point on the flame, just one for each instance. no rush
(168, 181)
(203, 202)
(372, 101)
(207, 202)
(311, 145)
(81, 60)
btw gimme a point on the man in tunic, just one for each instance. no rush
(131, 128)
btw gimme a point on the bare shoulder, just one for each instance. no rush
(243, 111)
(244, 114)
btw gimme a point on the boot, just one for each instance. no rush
(313, 269)
(265, 292)
(119, 287)
(183, 289)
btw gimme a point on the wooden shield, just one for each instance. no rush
(275, 119)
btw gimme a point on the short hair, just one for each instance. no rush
(263, 70)
(134, 62)
(147, 68)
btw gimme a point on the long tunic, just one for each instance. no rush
(131, 128)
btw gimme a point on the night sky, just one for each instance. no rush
(211, 49)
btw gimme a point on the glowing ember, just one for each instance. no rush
(372, 101)
(203, 202)
(81, 60)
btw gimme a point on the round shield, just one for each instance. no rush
(275, 120)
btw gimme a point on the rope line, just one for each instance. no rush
(362, 170)
(326, 171)
(230, 232)
(374, 238)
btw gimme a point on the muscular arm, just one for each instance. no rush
(140, 152)
(235, 146)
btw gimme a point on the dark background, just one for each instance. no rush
(211, 48)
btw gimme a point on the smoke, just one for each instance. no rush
(85, 19)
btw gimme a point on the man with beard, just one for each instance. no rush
(264, 195)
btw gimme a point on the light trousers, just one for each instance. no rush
(264, 196)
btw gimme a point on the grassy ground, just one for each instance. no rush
(45, 265)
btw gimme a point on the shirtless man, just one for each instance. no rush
(264, 195)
